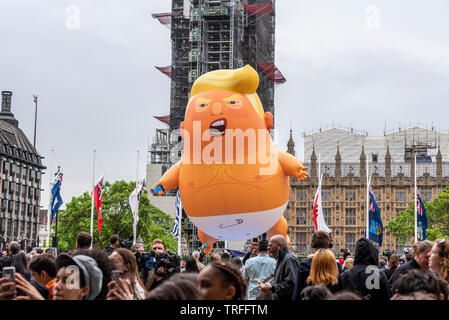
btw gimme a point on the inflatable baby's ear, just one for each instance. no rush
(268, 120)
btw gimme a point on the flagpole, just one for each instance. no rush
(137, 183)
(92, 204)
(415, 197)
(49, 199)
(35, 121)
(367, 198)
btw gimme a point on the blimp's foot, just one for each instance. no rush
(208, 240)
(280, 228)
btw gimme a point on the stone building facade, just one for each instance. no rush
(344, 192)
(20, 180)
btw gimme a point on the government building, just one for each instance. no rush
(342, 155)
(20, 180)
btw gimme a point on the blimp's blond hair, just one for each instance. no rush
(244, 80)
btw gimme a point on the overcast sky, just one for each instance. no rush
(356, 63)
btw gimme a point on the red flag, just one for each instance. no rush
(35, 98)
(98, 194)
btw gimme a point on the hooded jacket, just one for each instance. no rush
(284, 275)
(365, 278)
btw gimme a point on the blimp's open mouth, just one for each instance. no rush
(217, 128)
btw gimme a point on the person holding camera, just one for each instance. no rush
(159, 265)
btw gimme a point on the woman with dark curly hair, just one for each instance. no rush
(222, 281)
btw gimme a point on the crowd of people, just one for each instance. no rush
(269, 271)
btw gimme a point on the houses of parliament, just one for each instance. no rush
(342, 155)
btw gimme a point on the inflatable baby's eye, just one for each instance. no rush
(201, 106)
(234, 104)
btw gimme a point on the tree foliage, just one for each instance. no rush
(117, 218)
(403, 225)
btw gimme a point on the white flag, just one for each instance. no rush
(176, 226)
(134, 199)
(318, 216)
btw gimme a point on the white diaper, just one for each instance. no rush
(239, 226)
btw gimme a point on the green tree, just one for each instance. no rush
(403, 225)
(117, 218)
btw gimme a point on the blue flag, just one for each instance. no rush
(421, 218)
(375, 221)
(56, 196)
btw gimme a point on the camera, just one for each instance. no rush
(387, 253)
(127, 244)
(150, 260)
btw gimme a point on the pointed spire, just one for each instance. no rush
(313, 164)
(291, 144)
(388, 163)
(439, 164)
(338, 164)
(363, 163)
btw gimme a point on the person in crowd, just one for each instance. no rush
(252, 252)
(113, 244)
(178, 287)
(19, 261)
(125, 262)
(444, 287)
(238, 263)
(214, 258)
(189, 284)
(83, 240)
(320, 240)
(393, 264)
(324, 271)
(13, 249)
(348, 264)
(21, 290)
(196, 256)
(105, 264)
(439, 258)
(366, 265)
(417, 280)
(221, 281)
(192, 265)
(225, 257)
(157, 274)
(183, 266)
(344, 295)
(346, 253)
(285, 272)
(39, 251)
(258, 268)
(90, 278)
(408, 257)
(420, 251)
(43, 271)
(315, 292)
(382, 264)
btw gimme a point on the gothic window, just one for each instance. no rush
(350, 241)
(350, 216)
(350, 195)
(327, 216)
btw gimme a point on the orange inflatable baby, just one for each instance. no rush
(232, 179)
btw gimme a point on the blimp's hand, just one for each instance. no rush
(157, 190)
(302, 174)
